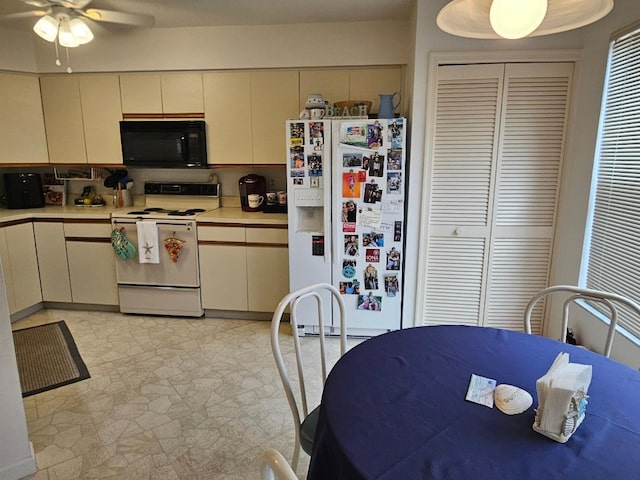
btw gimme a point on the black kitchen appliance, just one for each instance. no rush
(23, 190)
(253, 191)
(164, 144)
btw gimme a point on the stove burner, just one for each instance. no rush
(196, 210)
(141, 212)
(179, 213)
(154, 209)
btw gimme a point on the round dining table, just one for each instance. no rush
(394, 408)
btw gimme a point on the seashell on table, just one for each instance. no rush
(511, 399)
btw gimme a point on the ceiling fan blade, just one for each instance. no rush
(30, 14)
(111, 16)
(38, 3)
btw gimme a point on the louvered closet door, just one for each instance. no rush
(462, 176)
(498, 145)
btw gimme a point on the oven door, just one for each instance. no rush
(184, 272)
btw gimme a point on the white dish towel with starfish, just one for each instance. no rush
(148, 251)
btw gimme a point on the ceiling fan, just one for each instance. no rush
(76, 9)
(62, 21)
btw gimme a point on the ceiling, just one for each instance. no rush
(197, 13)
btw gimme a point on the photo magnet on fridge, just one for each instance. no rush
(314, 182)
(314, 162)
(369, 302)
(391, 286)
(396, 133)
(298, 181)
(376, 165)
(349, 268)
(393, 259)
(370, 277)
(297, 134)
(296, 155)
(394, 183)
(394, 159)
(350, 185)
(350, 288)
(352, 159)
(354, 135)
(374, 135)
(351, 245)
(349, 212)
(316, 134)
(372, 255)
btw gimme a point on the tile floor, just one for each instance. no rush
(168, 398)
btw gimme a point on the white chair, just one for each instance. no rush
(273, 466)
(305, 429)
(608, 299)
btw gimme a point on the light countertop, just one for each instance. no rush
(220, 215)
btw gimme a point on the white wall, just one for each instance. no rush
(16, 51)
(576, 180)
(209, 48)
(16, 456)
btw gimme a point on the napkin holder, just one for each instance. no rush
(562, 398)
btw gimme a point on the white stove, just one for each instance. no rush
(162, 277)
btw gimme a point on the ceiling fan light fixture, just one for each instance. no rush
(516, 18)
(47, 28)
(81, 31)
(65, 36)
(472, 18)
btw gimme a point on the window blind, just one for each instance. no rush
(613, 253)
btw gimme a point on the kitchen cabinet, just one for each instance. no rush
(246, 111)
(351, 84)
(267, 267)
(101, 115)
(90, 257)
(20, 266)
(368, 83)
(332, 84)
(63, 119)
(274, 99)
(52, 260)
(81, 115)
(243, 269)
(166, 93)
(22, 133)
(227, 107)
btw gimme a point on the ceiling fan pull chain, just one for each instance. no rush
(68, 62)
(58, 63)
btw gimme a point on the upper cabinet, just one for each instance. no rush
(81, 115)
(227, 107)
(22, 133)
(63, 119)
(274, 99)
(245, 113)
(351, 84)
(159, 94)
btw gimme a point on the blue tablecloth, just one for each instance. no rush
(394, 408)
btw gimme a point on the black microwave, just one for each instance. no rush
(164, 144)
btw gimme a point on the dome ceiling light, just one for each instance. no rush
(513, 19)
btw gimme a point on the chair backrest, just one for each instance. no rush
(273, 466)
(324, 296)
(575, 293)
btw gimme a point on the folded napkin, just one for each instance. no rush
(148, 251)
(562, 398)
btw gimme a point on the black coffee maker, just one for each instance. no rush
(253, 189)
(23, 190)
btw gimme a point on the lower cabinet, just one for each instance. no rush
(52, 260)
(92, 269)
(243, 268)
(20, 266)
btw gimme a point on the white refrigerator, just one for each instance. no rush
(346, 194)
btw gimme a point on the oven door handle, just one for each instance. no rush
(187, 225)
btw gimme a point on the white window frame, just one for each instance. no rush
(610, 263)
